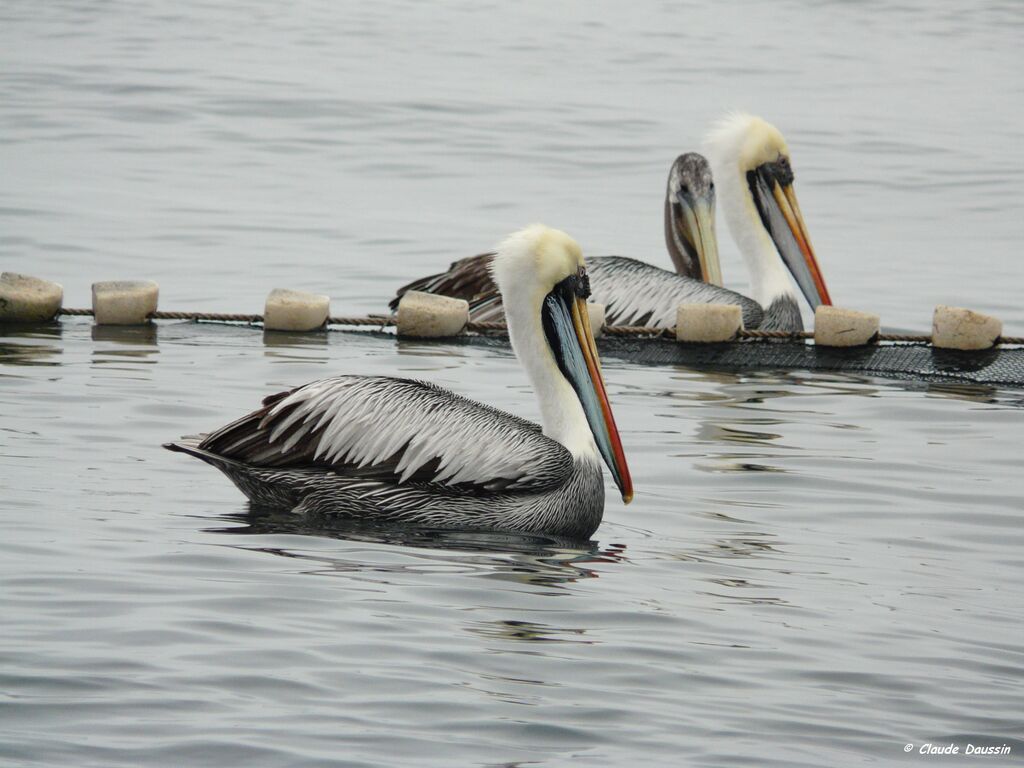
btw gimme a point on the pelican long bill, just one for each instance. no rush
(695, 222)
(567, 325)
(772, 188)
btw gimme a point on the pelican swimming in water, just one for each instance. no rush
(402, 451)
(633, 292)
(750, 157)
(751, 162)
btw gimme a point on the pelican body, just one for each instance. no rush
(750, 158)
(395, 450)
(633, 292)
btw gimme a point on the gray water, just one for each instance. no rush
(817, 570)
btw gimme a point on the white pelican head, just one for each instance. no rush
(751, 163)
(544, 288)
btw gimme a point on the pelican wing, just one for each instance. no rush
(636, 293)
(465, 279)
(398, 429)
(633, 292)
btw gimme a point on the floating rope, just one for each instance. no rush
(386, 321)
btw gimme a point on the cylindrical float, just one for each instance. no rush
(838, 327)
(959, 328)
(708, 323)
(288, 310)
(428, 315)
(124, 302)
(27, 299)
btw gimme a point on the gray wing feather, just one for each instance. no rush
(398, 428)
(637, 293)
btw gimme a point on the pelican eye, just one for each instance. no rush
(777, 172)
(783, 171)
(582, 286)
(574, 286)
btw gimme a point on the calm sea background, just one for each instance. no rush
(817, 569)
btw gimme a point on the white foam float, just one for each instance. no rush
(428, 315)
(288, 310)
(839, 327)
(124, 302)
(708, 323)
(27, 299)
(959, 328)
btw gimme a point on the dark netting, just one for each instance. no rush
(919, 362)
(999, 366)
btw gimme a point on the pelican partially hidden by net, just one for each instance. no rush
(750, 159)
(401, 451)
(633, 292)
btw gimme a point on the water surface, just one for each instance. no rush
(817, 570)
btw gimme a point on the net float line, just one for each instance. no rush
(27, 299)
(388, 321)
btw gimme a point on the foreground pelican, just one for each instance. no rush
(751, 162)
(397, 450)
(633, 292)
(750, 158)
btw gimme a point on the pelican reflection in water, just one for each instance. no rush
(404, 451)
(524, 558)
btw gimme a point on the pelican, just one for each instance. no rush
(402, 451)
(751, 159)
(751, 162)
(633, 292)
